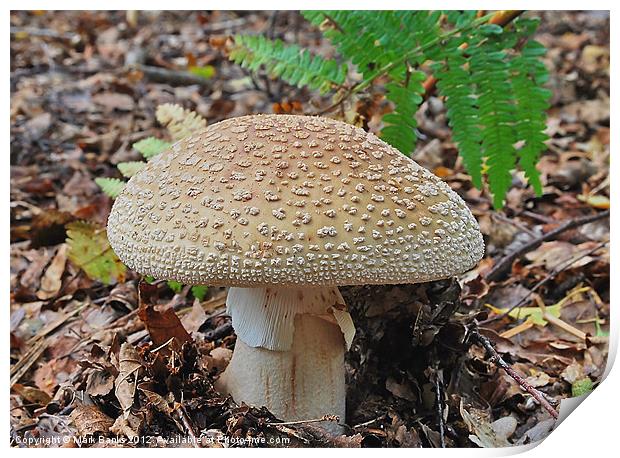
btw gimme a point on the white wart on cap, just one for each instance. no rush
(293, 201)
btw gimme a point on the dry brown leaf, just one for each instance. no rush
(114, 101)
(90, 420)
(484, 434)
(130, 366)
(129, 427)
(38, 260)
(195, 318)
(163, 326)
(51, 282)
(157, 401)
(99, 383)
(32, 395)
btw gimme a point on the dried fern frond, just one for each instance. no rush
(179, 121)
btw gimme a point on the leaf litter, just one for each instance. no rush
(96, 353)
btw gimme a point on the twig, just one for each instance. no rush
(51, 327)
(188, 425)
(172, 77)
(497, 359)
(369, 422)
(502, 267)
(73, 38)
(537, 216)
(437, 380)
(514, 223)
(219, 332)
(559, 268)
(334, 418)
(560, 323)
(21, 367)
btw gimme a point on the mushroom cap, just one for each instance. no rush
(291, 200)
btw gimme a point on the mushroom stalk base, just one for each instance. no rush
(303, 381)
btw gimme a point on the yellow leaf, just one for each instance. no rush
(534, 314)
(596, 201)
(90, 250)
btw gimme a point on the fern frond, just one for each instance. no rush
(532, 101)
(150, 147)
(401, 123)
(111, 186)
(373, 40)
(490, 72)
(454, 82)
(179, 121)
(289, 62)
(129, 169)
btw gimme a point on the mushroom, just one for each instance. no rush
(284, 209)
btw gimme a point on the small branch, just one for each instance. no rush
(188, 426)
(504, 265)
(497, 359)
(437, 381)
(73, 38)
(172, 77)
(334, 418)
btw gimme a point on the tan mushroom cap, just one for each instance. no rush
(291, 200)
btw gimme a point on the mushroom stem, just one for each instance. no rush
(289, 354)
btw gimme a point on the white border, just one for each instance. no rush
(590, 430)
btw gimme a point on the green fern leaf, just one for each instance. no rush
(401, 123)
(289, 62)
(455, 83)
(490, 73)
(150, 147)
(129, 169)
(111, 186)
(199, 291)
(531, 104)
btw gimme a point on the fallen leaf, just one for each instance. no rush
(90, 420)
(596, 201)
(484, 435)
(37, 126)
(99, 383)
(31, 394)
(114, 101)
(157, 401)
(129, 427)
(195, 318)
(400, 390)
(504, 427)
(51, 281)
(130, 367)
(91, 251)
(163, 325)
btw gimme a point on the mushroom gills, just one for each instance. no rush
(265, 317)
(289, 354)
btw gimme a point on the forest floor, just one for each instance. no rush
(422, 370)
